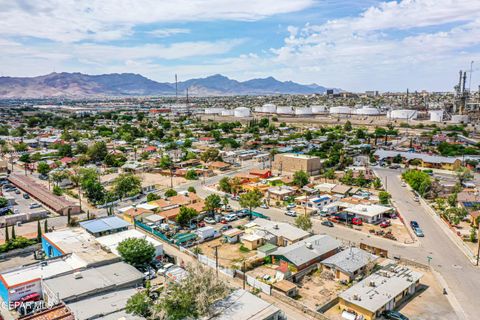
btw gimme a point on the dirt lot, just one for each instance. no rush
(228, 254)
(149, 179)
(318, 288)
(428, 303)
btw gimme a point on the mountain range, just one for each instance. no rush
(78, 85)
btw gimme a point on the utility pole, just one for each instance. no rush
(245, 274)
(171, 176)
(216, 258)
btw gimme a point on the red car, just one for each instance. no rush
(385, 224)
(32, 297)
(357, 221)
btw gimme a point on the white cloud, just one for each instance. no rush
(71, 20)
(168, 32)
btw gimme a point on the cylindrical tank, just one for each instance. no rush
(303, 111)
(214, 110)
(367, 111)
(340, 110)
(284, 110)
(460, 118)
(269, 108)
(402, 114)
(242, 112)
(258, 109)
(436, 115)
(228, 112)
(319, 109)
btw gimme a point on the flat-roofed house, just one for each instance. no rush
(350, 263)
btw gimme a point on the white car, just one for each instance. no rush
(231, 217)
(264, 206)
(35, 205)
(209, 220)
(291, 213)
(291, 205)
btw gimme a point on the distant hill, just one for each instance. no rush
(77, 85)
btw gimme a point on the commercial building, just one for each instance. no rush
(291, 163)
(372, 213)
(103, 226)
(350, 263)
(111, 241)
(383, 290)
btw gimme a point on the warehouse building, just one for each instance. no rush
(291, 163)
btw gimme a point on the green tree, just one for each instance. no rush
(418, 180)
(377, 183)
(57, 191)
(14, 236)
(209, 155)
(384, 197)
(170, 193)
(191, 189)
(139, 305)
(361, 181)
(45, 226)
(213, 202)
(165, 162)
(136, 251)
(152, 196)
(98, 151)
(7, 235)
(464, 174)
(304, 222)
(347, 127)
(43, 168)
(25, 158)
(3, 202)
(300, 178)
(251, 200)
(186, 215)
(126, 185)
(39, 232)
(191, 175)
(224, 185)
(330, 174)
(348, 178)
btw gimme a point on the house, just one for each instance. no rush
(426, 160)
(232, 235)
(308, 252)
(274, 232)
(315, 203)
(106, 225)
(133, 167)
(132, 213)
(251, 241)
(286, 287)
(381, 291)
(262, 173)
(219, 166)
(350, 263)
(373, 213)
(241, 304)
(280, 193)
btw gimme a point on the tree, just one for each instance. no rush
(452, 199)
(397, 159)
(213, 202)
(384, 197)
(43, 168)
(224, 185)
(25, 158)
(152, 197)
(418, 180)
(126, 184)
(45, 226)
(304, 222)
(464, 174)
(57, 191)
(39, 232)
(377, 183)
(191, 175)
(98, 151)
(193, 297)
(330, 174)
(300, 178)
(3, 202)
(235, 185)
(191, 189)
(186, 215)
(361, 181)
(170, 193)
(209, 155)
(139, 304)
(347, 127)
(14, 236)
(165, 162)
(7, 235)
(251, 200)
(136, 251)
(348, 178)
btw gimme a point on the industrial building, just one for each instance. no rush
(381, 291)
(291, 163)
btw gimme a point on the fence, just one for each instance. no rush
(152, 231)
(212, 264)
(259, 285)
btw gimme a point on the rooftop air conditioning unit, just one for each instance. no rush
(309, 245)
(77, 275)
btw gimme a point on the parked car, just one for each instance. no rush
(328, 223)
(18, 191)
(290, 213)
(357, 221)
(404, 184)
(231, 217)
(242, 213)
(164, 268)
(264, 206)
(26, 196)
(385, 224)
(235, 198)
(394, 315)
(394, 166)
(418, 232)
(43, 177)
(416, 199)
(34, 205)
(227, 208)
(414, 224)
(225, 228)
(291, 206)
(209, 220)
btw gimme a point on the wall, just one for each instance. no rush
(49, 249)
(298, 305)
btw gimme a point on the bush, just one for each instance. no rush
(243, 249)
(17, 243)
(57, 191)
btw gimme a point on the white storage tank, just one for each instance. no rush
(241, 112)
(402, 114)
(258, 109)
(367, 111)
(284, 110)
(436, 115)
(305, 111)
(319, 109)
(269, 108)
(340, 110)
(228, 112)
(460, 118)
(214, 110)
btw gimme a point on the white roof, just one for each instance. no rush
(368, 210)
(375, 291)
(281, 229)
(112, 241)
(43, 270)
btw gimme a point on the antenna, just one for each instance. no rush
(470, 77)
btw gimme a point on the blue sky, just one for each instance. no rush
(351, 44)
